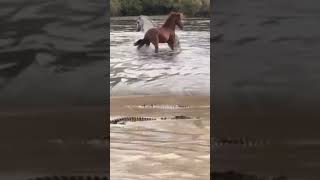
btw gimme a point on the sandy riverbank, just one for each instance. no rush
(161, 149)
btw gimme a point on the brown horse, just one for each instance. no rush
(164, 34)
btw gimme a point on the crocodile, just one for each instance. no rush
(162, 106)
(123, 120)
(217, 142)
(166, 106)
(242, 141)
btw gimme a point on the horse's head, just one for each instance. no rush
(178, 19)
(139, 24)
(174, 19)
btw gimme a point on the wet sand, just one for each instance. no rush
(175, 148)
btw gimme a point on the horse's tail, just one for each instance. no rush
(140, 43)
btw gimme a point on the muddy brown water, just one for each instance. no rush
(173, 148)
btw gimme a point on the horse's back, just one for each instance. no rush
(151, 33)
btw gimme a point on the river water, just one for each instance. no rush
(160, 149)
(174, 149)
(185, 71)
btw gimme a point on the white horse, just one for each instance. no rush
(144, 23)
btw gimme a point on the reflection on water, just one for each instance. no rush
(183, 71)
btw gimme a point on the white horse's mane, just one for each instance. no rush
(146, 23)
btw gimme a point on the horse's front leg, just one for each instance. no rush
(171, 42)
(156, 46)
(171, 45)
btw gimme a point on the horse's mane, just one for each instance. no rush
(171, 16)
(147, 18)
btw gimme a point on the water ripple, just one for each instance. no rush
(183, 71)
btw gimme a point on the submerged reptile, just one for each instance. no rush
(242, 141)
(217, 142)
(166, 106)
(123, 120)
(162, 106)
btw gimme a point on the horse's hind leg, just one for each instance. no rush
(155, 42)
(148, 43)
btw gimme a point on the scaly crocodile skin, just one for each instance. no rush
(122, 120)
(242, 141)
